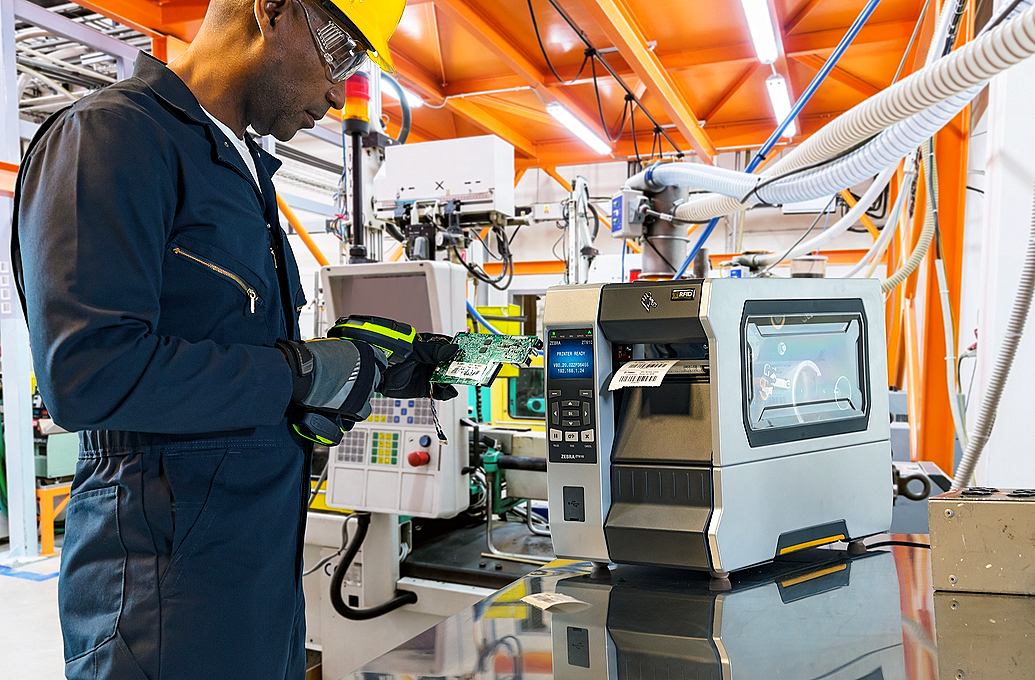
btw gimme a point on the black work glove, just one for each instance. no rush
(411, 378)
(334, 377)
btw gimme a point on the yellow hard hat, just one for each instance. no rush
(376, 21)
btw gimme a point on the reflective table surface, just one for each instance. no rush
(821, 616)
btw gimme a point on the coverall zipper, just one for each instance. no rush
(253, 297)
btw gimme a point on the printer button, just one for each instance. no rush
(571, 436)
(556, 435)
(587, 436)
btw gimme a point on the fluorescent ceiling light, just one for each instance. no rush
(764, 33)
(412, 99)
(578, 128)
(780, 98)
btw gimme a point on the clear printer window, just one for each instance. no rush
(804, 369)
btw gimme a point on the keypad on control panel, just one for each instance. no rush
(572, 430)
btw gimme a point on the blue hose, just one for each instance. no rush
(477, 316)
(625, 247)
(803, 100)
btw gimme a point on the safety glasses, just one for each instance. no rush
(341, 53)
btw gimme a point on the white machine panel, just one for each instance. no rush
(393, 462)
(470, 169)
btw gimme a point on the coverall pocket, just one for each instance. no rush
(93, 567)
(192, 477)
(111, 660)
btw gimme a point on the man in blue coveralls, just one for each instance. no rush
(162, 300)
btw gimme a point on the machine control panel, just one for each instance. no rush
(571, 396)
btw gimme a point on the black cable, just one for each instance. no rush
(663, 258)
(904, 544)
(506, 277)
(600, 103)
(546, 56)
(636, 144)
(614, 74)
(596, 220)
(407, 115)
(819, 164)
(514, 234)
(402, 597)
(797, 243)
(975, 189)
(1001, 17)
(954, 28)
(932, 197)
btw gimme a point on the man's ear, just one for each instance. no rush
(267, 12)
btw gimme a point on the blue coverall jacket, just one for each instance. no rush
(156, 280)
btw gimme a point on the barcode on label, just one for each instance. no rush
(633, 379)
(641, 374)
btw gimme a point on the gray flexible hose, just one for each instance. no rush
(923, 244)
(985, 420)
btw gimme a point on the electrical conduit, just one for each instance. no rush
(966, 69)
(1001, 371)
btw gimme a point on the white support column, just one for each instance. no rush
(14, 336)
(1010, 185)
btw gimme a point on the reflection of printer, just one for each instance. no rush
(766, 432)
(836, 620)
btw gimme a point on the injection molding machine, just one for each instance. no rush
(716, 424)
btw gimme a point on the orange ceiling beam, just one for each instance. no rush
(534, 114)
(838, 74)
(619, 24)
(800, 15)
(731, 91)
(883, 35)
(503, 47)
(424, 85)
(484, 119)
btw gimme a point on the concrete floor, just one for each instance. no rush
(30, 639)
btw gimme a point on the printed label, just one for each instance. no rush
(467, 371)
(641, 374)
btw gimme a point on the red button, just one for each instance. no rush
(418, 458)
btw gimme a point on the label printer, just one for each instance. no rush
(716, 424)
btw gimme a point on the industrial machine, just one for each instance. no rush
(397, 544)
(715, 424)
(433, 212)
(394, 462)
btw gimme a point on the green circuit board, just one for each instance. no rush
(481, 357)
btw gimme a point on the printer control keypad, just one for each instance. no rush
(572, 426)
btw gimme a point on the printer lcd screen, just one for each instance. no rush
(571, 358)
(804, 369)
